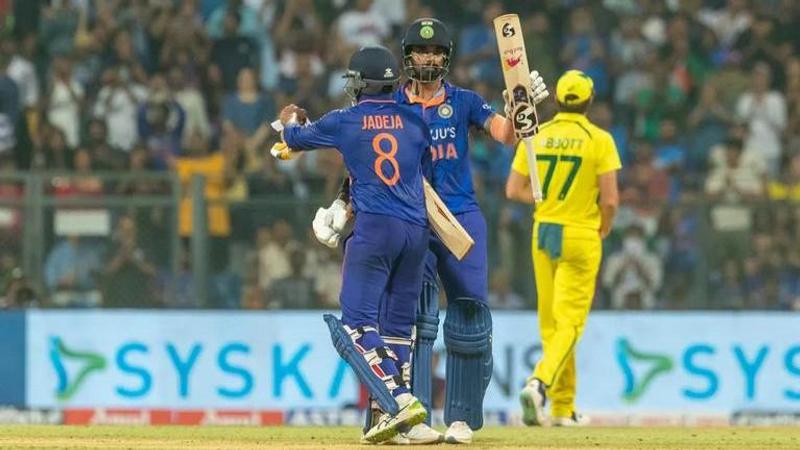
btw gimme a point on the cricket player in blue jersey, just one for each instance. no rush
(450, 112)
(385, 148)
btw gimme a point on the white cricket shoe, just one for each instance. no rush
(533, 399)
(423, 434)
(458, 433)
(398, 439)
(575, 420)
(411, 413)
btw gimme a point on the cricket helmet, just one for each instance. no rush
(372, 70)
(422, 33)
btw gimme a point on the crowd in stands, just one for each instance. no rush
(701, 96)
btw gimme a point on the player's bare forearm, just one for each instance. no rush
(609, 201)
(607, 213)
(501, 129)
(518, 188)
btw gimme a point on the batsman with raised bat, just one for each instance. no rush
(579, 162)
(450, 112)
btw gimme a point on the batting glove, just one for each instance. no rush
(339, 215)
(323, 230)
(282, 152)
(538, 88)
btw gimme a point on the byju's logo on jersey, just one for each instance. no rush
(60, 354)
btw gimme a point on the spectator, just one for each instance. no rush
(661, 98)
(55, 154)
(764, 110)
(9, 108)
(707, 125)
(104, 154)
(787, 186)
(274, 248)
(248, 110)
(680, 247)
(65, 98)
(160, 121)
(478, 46)
(633, 275)
(247, 25)
(59, 22)
(362, 26)
(82, 182)
(584, 50)
(117, 104)
(212, 166)
(732, 185)
(728, 22)
(70, 272)
(193, 104)
(729, 290)
(296, 290)
(670, 155)
(23, 72)
(324, 267)
(232, 52)
(128, 274)
(645, 187)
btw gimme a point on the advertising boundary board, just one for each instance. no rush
(629, 363)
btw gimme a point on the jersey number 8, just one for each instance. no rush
(386, 156)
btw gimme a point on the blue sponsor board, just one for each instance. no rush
(628, 363)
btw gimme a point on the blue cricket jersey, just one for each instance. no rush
(386, 149)
(449, 118)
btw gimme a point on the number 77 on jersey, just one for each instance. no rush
(514, 60)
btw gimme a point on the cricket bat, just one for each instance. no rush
(445, 225)
(514, 60)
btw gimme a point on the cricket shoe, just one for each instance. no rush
(423, 434)
(398, 439)
(458, 433)
(411, 413)
(533, 399)
(575, 420)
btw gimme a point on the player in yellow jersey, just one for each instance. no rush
(577, 163)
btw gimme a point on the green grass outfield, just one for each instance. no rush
(167, 437)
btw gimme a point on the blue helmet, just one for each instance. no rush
(372, 71)
(422, 33)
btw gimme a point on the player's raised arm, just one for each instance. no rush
(323, 133)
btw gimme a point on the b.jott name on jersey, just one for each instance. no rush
(561, 143)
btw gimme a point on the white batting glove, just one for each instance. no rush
(339, 215)
(538, 88)
(323, 230)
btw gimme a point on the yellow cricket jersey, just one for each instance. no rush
(570, 153)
